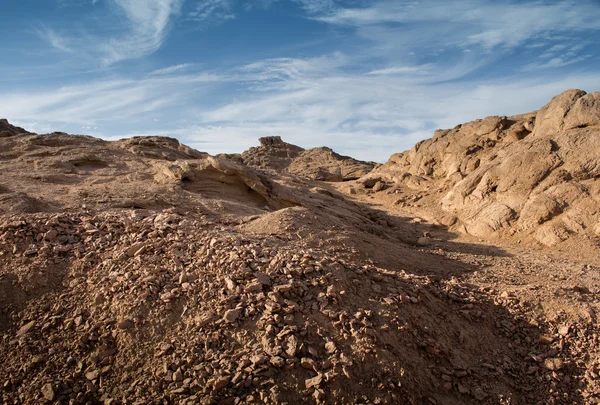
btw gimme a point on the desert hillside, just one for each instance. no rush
(463, 271)
(534, 176)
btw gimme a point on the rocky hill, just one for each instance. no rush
(272, 154)
(144, 271)
(535, 175)
(315, 164)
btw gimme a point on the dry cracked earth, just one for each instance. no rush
(142, 271)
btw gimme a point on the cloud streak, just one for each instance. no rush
(485, 23)
(147, 22)
(218, 10)
(54, 39)
(142, 29)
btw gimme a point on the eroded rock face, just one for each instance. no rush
(535, 173)
(460, 150)
(315, 164)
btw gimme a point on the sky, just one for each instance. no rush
(367, 78)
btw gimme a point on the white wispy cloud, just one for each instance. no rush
(317, 6)
(114, 101)
(143, 27)
(171, 69)
(216, 10)
(557, 62)
(438, 26)
(54, 39)
(275, 70)
(147, 25)
(395, 70)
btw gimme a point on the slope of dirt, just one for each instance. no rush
(315, 164)
(529, 177)
(147, 272)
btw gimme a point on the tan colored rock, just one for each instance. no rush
(308, 363)
(48, 392)
(330, 347)
(10, 130)
(231, 315)
(230, 284)
(221, 382)
(263, 278)
(25, 328)
(326, 165)
(313, 382)
(564, 330)
(554, 364)
(277, 361)
(272, 153)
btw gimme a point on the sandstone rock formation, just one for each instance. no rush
(315, 164)
(534, 174)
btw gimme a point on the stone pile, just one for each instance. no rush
(157, 307)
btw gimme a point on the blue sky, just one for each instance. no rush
(368, 78)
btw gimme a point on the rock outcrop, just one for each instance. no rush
(7, 129)
(533, 174)
(324, 164)
(315, 164)
(272, 154)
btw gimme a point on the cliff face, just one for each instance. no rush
(536, 173)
